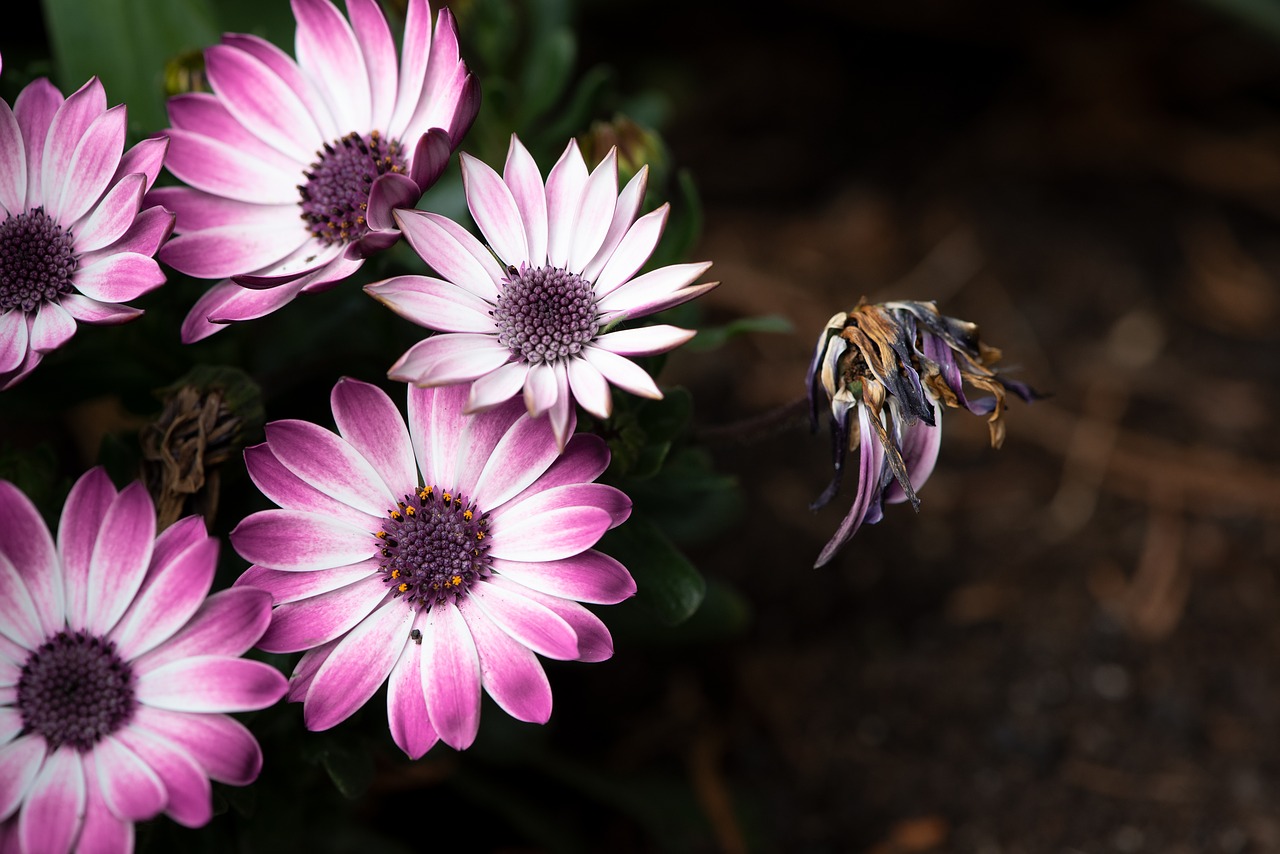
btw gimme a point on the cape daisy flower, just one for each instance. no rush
(294, 167)
(117, 672)
(438, 558)
(75, 241)
(533, 309)
(895, 366)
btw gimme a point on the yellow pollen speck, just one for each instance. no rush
(403, 587)
(409, 511)
(395, 573)
(467, 514)
(425, 493)
(395, 514)
(447, 498)
(479, 535)
(382, 535)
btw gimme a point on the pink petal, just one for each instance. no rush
(552, 535)
(328, 53)
(497, 386)
(644, 340)
(51, 815)
(69, 125)
(589, 388)
(291, 493)
(227, 623)
(871, 460)
(120, 556)
(584, 459)
(224, 170)
(624, 216)
(189, 795)
(594, 642)
(311, 622)
(920, 444)
(34, 109)
(452, 252)
(509, 671)
(150, 228)
(330, 464)
(13, 163)
(171, 593)
(580, 495)
(103, 832)
(284, 67)
(261, 102)
(480, 435)
(87, 310)
(222, 746)
(406, 704)
(494, 210)
(370, 422)
(525, 452)
(565, 185)
(451, 676)
(445, 88)
(26, 542)
(599, 198)
(448, 358)
(20, 761)
(657, 287)
(92, 164)
(388, 192)
(113, 216)
(226, 296)
(130, 788)
(379, 53)
(633, 251)
(540, 389)
(357, 667)
(530, 623)
(434, 303)
(197, 210)
(430, 157)
(414, 55)
(211, 683)
(229, 250)
(285, 587)
(304, 673)
(588, 577)
(622, 372)
(145, 158)
(119, 277)
(53, 327)
(82, 517)
(294, 540)
(436, 425)
(14, 339)
(524, 181)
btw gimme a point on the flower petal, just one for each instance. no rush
(35, 108)
(588, 577)
(414, 55)
(120, 557)
(189, 795)
(494, 210)
(590, 388)
(328, 53)
(119, 277)
(130, 789)
(222, 746)
(227, 623)
(292, 493)
(388, 192)
(624, 217)
(87, 310)
(525, 452)
(287, 587)
(20, 761)
(434, 303)
(229, 250)
(13, 163)
(330, 464)
(594, 641)
(211, 683)
(103, 832)
(451, 676)
(14, 339)
(53, 326)
(173, 590)
(533, 625)
(497, 386)
(224, 170)
(582, 495)
(452, 252)
(25, 541)
(657, 289)
(436, 424)
(293, 540)
(509, 670)
(53, 810)
(524, 181)
(565, 184)
(311, 622)
(370, 422)
(82, 517)
(920, 444)
(599, 198)
(263, 103)
(871, 460)
(622, 372)
(633, 251)
(449, 358)
(644, 340)
(144, 158)
(552, 535)
(113, 216)
(89, 171)
(357, 667)
(407, 705)
(379, 52)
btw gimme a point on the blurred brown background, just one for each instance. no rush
(1074, 645)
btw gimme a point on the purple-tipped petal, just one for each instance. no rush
(171, 593)
(228, 623)
(920, 444)
(452, 252)
(407, 705)
(224, 170)
(311, 622)
(594, 641)
(113, 216)
(130, 788)
(87, 310)
(145, 158)
(306, 669)
(285, 587)
(211, 683)
(480, 436)
(69, 127)
(283, 66)
(120, 556)
(430, 157)
(435, 304)
(871, 460)
(197, 210)
(497, 386)
(379, 52)
(263, 103)
(231, 249)
(414, 54)
(624, 217)
(292, 493)
(588, 577)
(580, 495)
(656, 287)
(590, 388)
(103, 832)
(451, 676)
(328, 53)
(633, 251)
(622, 372)
(292, 540)
(34, 109)
(523, 179)
(14, 337)
(53, 811)
(540, 389)
(13, 163)
(370, 422)
(53, 326)
(533, 625)
(82, 516)
(644, 340)
(552, 535)
(435, 425)
(222, 746)
(599, 198)
(450, 358)
(494, 210)
(388, 192)
(189, 795)
(20, 761)
(330, 464)
(509, 671)
(565, 185)
(94, 161)
(119, 278)
(357, 667)
(525, 452)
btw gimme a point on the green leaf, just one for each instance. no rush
(666, 580)
(546, 73)
(665, 419)
(127, 43)
(713, 337)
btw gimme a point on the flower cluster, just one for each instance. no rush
(893, 367)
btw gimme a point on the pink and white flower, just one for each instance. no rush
(533, 310)
(294, 167)
(75, 241)
(437, 557)
(116, 673)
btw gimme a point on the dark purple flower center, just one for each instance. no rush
(37, 260)
(545, 314)
(75, 689)
(434, 546)
(336, 195)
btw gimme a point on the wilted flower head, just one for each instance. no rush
(437, 557)
(118, 671)
(75, 241)
(294, 167)
(890, 365)
(533, 310)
